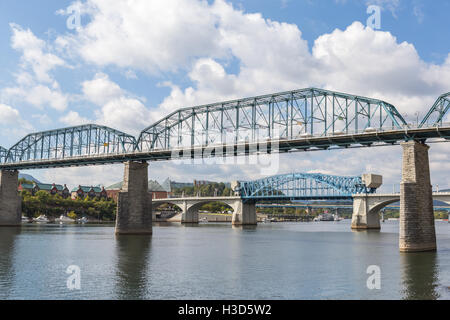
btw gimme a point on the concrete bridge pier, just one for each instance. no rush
(244, 214)
(364, 218)
(10, 200)
(366, 209)
(189, 214)
(417, 231)
(134, 206)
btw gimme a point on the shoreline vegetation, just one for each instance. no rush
(53, 206)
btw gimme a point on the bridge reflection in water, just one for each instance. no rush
(420, 276)
(8, 243)
(132, 274)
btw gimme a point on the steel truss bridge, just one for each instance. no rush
(302, 186)
(300, 120)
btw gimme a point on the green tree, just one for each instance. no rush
(43, 197)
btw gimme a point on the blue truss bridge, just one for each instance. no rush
(299, 120)
(302, 186)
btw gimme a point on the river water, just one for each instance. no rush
(321, 260)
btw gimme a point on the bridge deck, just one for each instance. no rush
(361, 139)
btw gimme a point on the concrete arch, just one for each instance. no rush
(192, 209)
(376, 209)
(198, 205)
(157, 204)
(366, 209)
(244, 213)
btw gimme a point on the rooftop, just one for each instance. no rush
(42, 186)
(153, 185)
(86, 189)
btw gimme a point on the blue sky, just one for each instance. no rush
(127, 66)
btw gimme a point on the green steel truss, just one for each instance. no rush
(300, 120)
(302, 186)
(81, 141)
(438, 112)
(287, 115)
(3, 153)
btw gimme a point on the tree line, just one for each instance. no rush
(53, 206)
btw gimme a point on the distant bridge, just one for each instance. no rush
(293, 186)
(303, 186)
(300, 120)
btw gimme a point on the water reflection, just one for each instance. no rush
(8, 237)
(132, 261)
(420, 276)
(244, 227)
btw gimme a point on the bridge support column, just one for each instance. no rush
(10, 200)
(189, 215)
(244, 214)
(417, 231)
(134, 206)
(362, 218)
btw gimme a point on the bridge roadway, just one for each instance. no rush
(366, 207)
(283, 145)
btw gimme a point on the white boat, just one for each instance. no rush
(42, 218)
(25, 219)
(63, 219)
(325, 217)
(82, 220)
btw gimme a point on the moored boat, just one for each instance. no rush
(82, 220)
(63, 219)
(41, 219)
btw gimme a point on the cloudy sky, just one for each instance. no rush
(125, 64)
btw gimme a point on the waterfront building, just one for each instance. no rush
(92, 192)
(52, 189)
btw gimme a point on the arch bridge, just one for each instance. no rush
(293, 186)
(305, 186)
